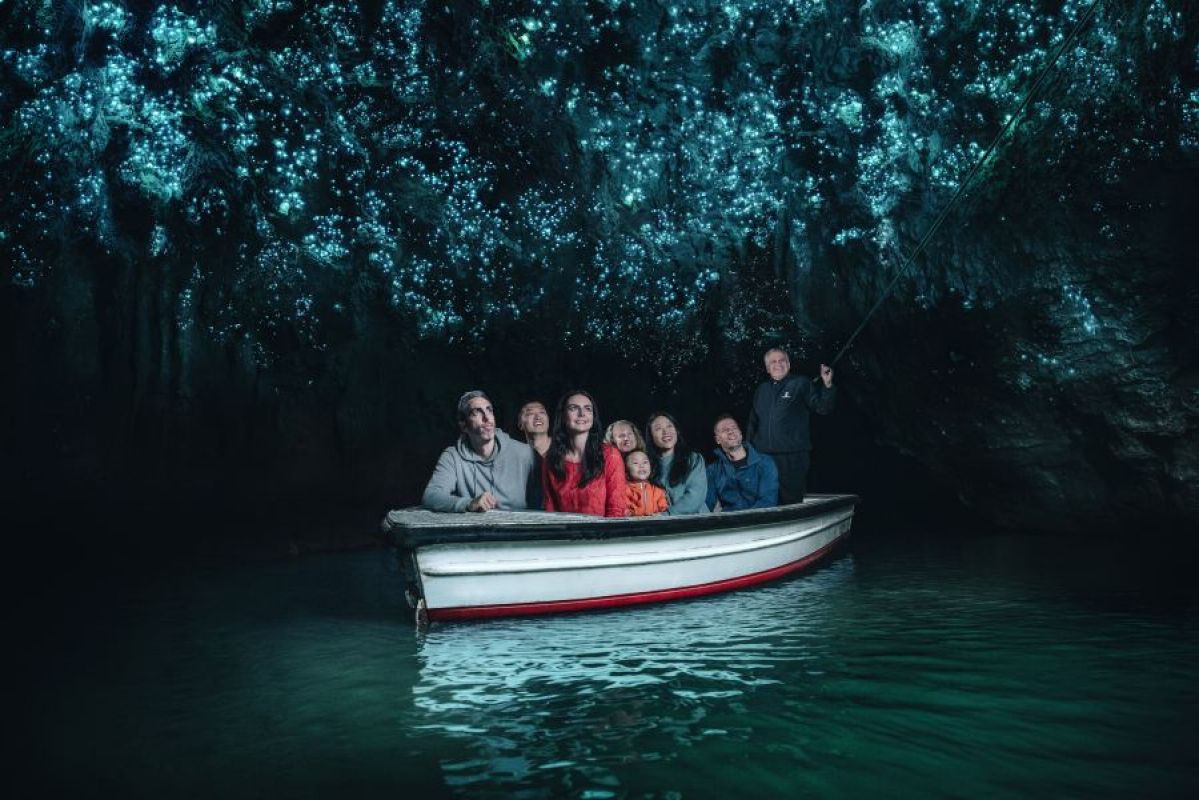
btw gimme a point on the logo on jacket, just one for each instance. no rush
(786, 396)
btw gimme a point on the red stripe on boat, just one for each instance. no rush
(633, 598)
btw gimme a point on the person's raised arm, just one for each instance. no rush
(822, 395)
(439, 491)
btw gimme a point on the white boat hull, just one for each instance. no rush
(581, 562)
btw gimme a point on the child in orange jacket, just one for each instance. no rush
(645, 499)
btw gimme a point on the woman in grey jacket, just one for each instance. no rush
(676, 467)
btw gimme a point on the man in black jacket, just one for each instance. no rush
(779, 422)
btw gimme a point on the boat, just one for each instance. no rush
(517, 563)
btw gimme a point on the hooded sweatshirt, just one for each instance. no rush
(461, 475)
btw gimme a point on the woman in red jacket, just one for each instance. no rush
(580, 473)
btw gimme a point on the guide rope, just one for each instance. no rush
(969, 177)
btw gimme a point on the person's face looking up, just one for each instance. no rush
(664, 433)
(534, 418)
(777, 364)
(479, 425)
(580, 414)
(728, 435)
(638, 464)
(624, 438)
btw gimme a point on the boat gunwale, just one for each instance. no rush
(624, 560)
(410, 536)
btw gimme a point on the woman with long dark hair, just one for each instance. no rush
(676, 467)
(582, 474)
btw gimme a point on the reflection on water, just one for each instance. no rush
(585, 692)
(921, 678)
(925, 668)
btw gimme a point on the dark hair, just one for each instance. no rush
(634, 451)
(520, 412)
(464, 403)
(722, 418)
(561, 444)
(680, 466)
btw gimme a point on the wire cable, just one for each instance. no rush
(969, 177)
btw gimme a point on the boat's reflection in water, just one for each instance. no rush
(562, 701)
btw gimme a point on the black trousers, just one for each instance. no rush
(793, 475)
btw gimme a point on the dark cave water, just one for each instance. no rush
(913, 665)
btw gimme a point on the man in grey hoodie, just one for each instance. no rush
(485, 469)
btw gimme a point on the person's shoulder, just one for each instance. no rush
(756, 456)
(613, 460)
(513, 445)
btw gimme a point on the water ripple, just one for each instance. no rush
(938, 671)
